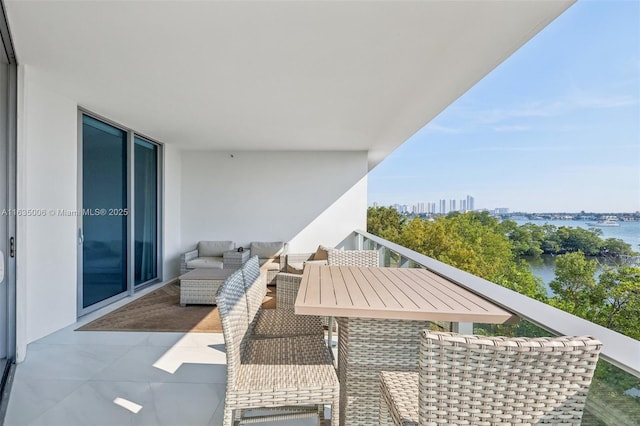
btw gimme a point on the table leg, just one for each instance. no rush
(366, 347)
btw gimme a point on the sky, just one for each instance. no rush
(554, 128)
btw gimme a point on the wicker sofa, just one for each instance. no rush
(207, 254)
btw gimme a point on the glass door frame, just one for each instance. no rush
(130, 243)
(9, 246)
(159, 217)
(159, 212)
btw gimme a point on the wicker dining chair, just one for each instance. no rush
(293, 374)
(289, 283)
(480, 380)
(353, 258)
(266, 323)
(363, 258)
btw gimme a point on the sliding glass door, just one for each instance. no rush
(119, 223)
(103, 233)
(145, 210)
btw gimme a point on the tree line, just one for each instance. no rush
(494, 250)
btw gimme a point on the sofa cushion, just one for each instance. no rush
(205, 262)
(214, 248)
(266, 250)
(322, 253)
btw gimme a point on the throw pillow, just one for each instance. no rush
(322, 253)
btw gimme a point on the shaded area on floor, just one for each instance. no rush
(160, 310)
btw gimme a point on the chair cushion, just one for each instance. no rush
(322, 253)
(285, 323)
(288, 365)
(266, 250)
(205, 262)
(214, 248)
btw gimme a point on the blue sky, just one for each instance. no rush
(556, 127)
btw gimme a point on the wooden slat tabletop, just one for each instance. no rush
(393, 293)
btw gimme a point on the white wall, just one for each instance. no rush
(47, 179)
(305, 198)
(47, 160)
(172, 211)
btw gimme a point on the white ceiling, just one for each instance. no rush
(272, 75)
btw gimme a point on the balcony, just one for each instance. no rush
(81, 378)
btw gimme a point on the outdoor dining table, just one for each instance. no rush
(380, 313)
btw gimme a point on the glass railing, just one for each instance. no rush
(614, 395)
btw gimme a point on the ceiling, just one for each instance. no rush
(271, 75)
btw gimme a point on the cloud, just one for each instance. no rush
(595, 102)
(437, 128)
(512, 128)
(577, 101)
(537, 148)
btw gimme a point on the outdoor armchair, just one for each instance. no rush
(270, 254)
(288, 281)
(207, 254)
(267, 323)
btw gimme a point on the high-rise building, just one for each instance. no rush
(463, 206)
(470, 201)
(452, 205)
(443, 206)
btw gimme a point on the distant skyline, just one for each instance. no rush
(556, 127)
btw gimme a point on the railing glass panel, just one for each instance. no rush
(614, 395)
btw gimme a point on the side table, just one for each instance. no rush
(234, 259)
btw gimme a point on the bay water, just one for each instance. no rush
(544, 266)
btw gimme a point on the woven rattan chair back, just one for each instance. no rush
(353, 258)
(255, 287)
(234, 317)
(482, 380)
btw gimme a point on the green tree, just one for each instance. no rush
(518, 277)
(414, 236)
(526, 239)
(385, 222)
(474, 242)
(613, 247)
(577, 239)
(614, 302)
(574, 282)
(550, 242)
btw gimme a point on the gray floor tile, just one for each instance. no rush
(74, 362)
(100, 403)
(30, 398)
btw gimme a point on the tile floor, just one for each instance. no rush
(121, 378)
